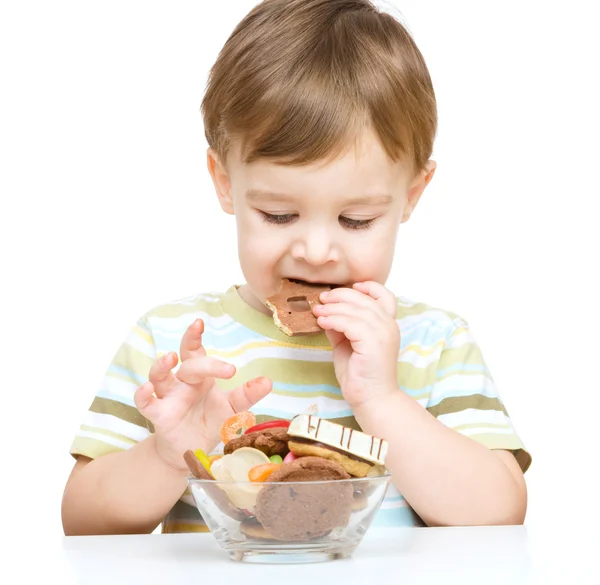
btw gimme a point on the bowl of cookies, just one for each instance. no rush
(297, 491)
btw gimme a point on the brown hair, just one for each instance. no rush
(298, 80)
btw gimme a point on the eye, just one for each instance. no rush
(277, 219)
(356, 224)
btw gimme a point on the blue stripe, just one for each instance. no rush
(288, 415)
(397, 517)
(103, 393)
(120, 371)
(305, 388)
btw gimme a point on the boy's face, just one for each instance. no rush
(332, 223)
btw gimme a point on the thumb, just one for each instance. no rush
(335, 337)
(245, 396)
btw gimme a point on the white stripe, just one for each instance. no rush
(139, 343)
(289, 353)
(103, 439)
(167, 325)
(326, 407)
(472, 415)
(115, 425)
(486, 430)
(463, 384)
(122, 389)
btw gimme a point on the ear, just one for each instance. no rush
(221, 181)
(416, 189)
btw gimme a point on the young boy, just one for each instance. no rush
(320, 116)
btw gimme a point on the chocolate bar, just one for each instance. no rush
(292, 307)
(339, 437)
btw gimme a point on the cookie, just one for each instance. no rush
(292, 307)
(305, 510)
(270, 441)
(354, 467)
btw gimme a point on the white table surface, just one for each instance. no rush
(480, 555)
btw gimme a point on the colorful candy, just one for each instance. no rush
(203, 458)
(276, 459)
(290, 457)
(235, 425)
(270, 424)
(262, 472)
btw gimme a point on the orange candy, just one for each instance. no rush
(262, 472)
(214, 458)
(235, 425)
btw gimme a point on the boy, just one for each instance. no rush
(320, 117)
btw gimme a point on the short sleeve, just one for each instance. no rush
(112, 422)
(465, 398)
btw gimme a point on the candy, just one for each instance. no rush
(270, 424)
(290, 457)
(235, 425)
(275, 459)
(261, 472)
(203, 458)
(214, 458)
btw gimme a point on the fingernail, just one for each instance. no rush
(323, 295)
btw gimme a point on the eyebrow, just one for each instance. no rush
(259, 196)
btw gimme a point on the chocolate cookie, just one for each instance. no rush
(292, 307)
(353, 465)
(270, 441)
(301, 512)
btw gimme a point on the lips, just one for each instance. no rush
(314, 282)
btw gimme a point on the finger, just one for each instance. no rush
(145, 400)
(356, 331)
(349, 295)
(191, 342)
(245, 396)
(194, 370)
(161, 376)
(368, 314)
(382, 295)
(335, 337)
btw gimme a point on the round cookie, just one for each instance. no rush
(355, 467)
(305, 511)
(270, 441)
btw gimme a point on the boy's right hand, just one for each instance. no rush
(187, 409)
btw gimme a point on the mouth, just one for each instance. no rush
(315, 283)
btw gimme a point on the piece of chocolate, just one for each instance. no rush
(292, 307)
(341, 438)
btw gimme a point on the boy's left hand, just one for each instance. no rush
(360, 323)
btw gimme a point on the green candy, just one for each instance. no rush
(275, 459)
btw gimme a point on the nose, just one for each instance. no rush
(315, 247)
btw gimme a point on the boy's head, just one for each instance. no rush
(321, 117)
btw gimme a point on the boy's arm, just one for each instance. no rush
(446, 477)
(128, 492)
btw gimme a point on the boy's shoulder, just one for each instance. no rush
(417, 315)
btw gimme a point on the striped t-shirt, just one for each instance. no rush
(439, 365)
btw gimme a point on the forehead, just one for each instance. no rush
(361, 168)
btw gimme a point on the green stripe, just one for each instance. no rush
(459, 403)
(175, 310)
(290, 371)
(125, 412)
(132, 359)
(108, 433)
(91, 448)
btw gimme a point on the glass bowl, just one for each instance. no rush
(289, 522)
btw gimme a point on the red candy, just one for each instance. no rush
(268, 425)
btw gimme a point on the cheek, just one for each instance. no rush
(371, 257)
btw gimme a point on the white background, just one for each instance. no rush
(107, 210)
